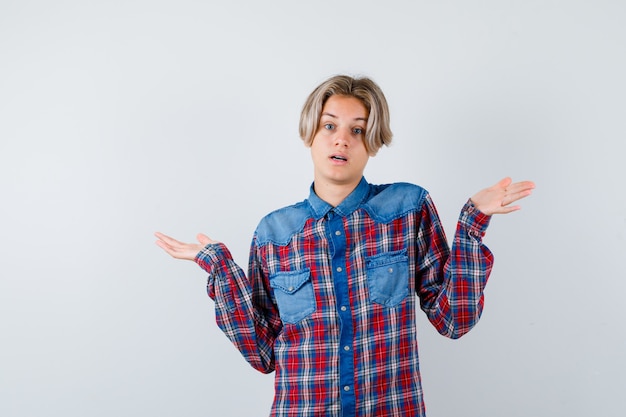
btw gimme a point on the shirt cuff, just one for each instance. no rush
(474, 220)
(211, 255)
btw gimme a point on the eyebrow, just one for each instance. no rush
(333, 116)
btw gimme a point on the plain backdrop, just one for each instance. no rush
(122, 118)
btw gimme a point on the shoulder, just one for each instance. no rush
(279, 226)
(390, 201)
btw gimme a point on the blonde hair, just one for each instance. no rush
(377, 131)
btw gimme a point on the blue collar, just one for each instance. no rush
(347, 206)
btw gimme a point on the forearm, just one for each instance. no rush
(457, 298)
(243, 322)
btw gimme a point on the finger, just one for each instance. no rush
(170, 241)
(503, 183)
(511, 197)
(167, 248)
(172, 246)
(521, 186)
(162, 236)
(507, 209)
(517, 191)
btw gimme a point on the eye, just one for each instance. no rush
(329, 126)
(357, 131)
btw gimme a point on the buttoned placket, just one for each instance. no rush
(337, 236)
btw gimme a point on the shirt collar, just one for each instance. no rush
(347, 206)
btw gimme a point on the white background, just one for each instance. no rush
(121, 118)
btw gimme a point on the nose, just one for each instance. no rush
(342, 137)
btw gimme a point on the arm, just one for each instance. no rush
(451, 283)
(243, 308)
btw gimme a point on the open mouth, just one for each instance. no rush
(339, 158)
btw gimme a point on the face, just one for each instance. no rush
(338, 148)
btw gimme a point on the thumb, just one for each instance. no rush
(504, 182)
(204, 239)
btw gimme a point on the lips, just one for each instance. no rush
(339, 158)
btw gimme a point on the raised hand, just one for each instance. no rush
(180, 250)
(497, 198)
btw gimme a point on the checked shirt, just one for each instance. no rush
(329, 300)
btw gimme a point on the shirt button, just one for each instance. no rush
(290, 289)
(390, 270)
(344, 308)
(346, 348)
(338, 233)
(339, 269)
(346, 388)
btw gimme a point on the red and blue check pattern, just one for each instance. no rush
(342, 335)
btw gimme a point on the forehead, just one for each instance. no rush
(344, 107)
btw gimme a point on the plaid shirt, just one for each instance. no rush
(329, 299)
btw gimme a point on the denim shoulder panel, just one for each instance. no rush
(279, 226)
(390, 201)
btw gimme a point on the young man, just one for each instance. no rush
(329, 301)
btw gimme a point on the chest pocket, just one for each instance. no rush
(388, 278)
(294, 295)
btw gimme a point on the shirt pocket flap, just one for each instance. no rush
(385, 259)
(290, 282)
(294, 296)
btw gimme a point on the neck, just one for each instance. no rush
(333, 193)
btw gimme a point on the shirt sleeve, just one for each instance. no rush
(244, 310)
(451, 281)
